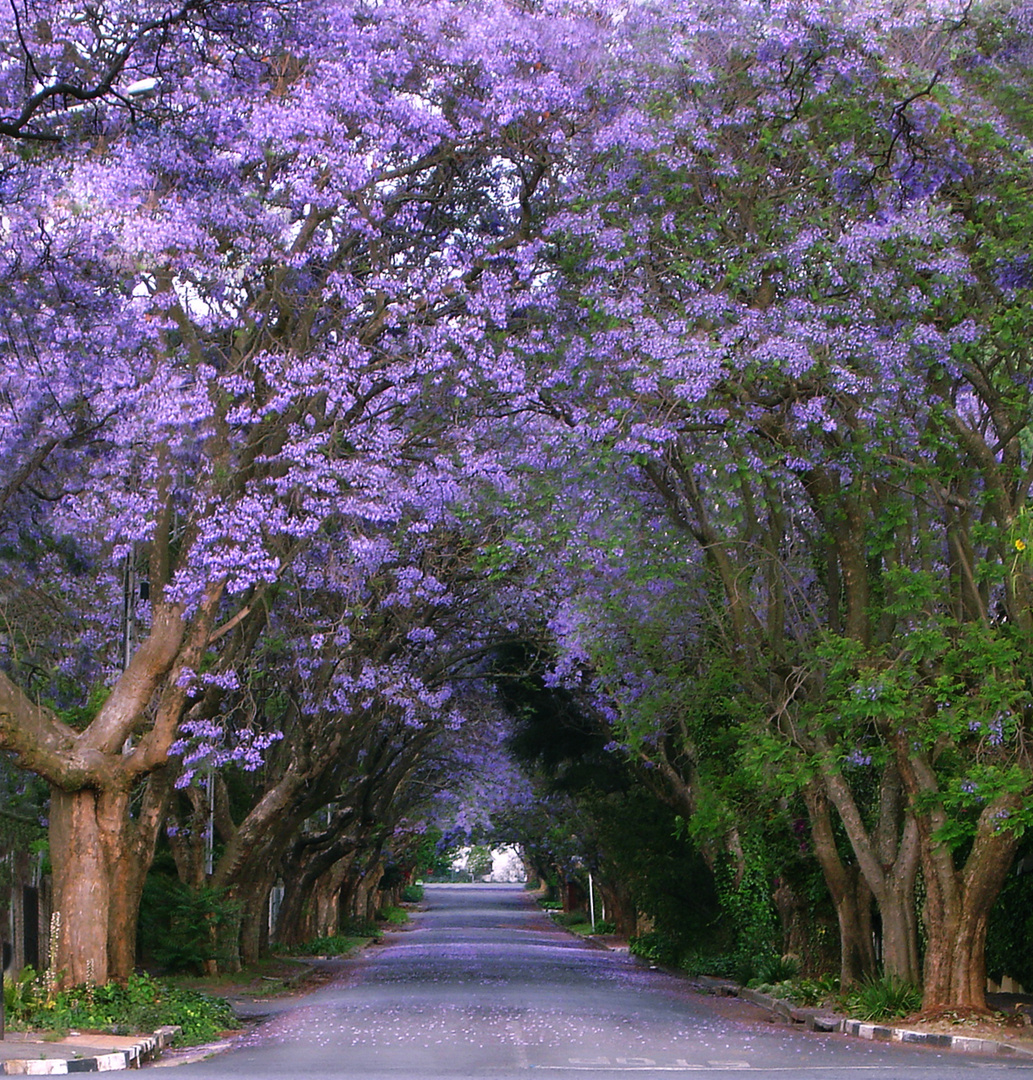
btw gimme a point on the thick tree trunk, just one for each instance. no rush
(619, 907)
(324, 901)
(80, 843)
(957, 911)
(254, 920)
(955, 962)
(958, 897)
(101, 856)
(900, 934)
(295, 920)
(100, 851)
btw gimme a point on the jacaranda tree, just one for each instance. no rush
(253, 255)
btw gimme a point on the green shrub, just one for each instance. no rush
(657, 946)
(885, 998)
(359, 928)
(142, 1005)
(604, 926)
(570, 918)
(822, 990)
(393, 916)
(412, 894)
(335, 945)
(777, 969)
(182, 928)
(18, 991)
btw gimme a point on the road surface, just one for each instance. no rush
(485, 986)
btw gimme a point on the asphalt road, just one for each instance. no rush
(486, 986)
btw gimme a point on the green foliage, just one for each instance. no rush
(182, 928)
(657, 946)
(718, 965)
(141, 1005)
(570, 918)
(343, 944)
(884, 998)
(1009, 938)
(605, 926)
(81, 716)
(393, 916)
(479, 861)
(823, 990)
(745, 895)
(19, 991)
(776, 969)
(412, 894)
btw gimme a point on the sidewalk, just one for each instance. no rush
(24, 1054)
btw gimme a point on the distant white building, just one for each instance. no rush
(506, 865)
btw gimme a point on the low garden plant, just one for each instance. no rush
(393, 916)
(883, 998)
(334, 944)
(141, 1005)
(570, 918)
(657, 947)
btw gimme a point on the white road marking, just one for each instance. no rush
(588, 1065)
(648, 1063)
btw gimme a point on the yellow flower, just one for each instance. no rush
(1020, 545)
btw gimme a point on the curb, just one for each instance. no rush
(963, 1043)
(820, 1020)
(812, 1019)
(130, 1058)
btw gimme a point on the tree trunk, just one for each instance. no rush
(324, 900)
(792, 914)
(957, 911)
(900, 935)
(955, 963)
(850, 894)
(80, 845)
(888, 856)
(255, 915)
(959, 898)
(101, 856)
(294, 923)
